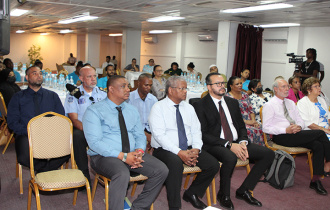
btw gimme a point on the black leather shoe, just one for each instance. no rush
(194, 200)
(225, 201)
(317, 186)
(247, 197)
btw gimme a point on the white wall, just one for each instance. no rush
(202, 54)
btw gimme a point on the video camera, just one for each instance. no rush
(297, 59)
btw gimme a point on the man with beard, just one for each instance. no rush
(102, 83)
(225, 137)
(75, 109)
(25, 105)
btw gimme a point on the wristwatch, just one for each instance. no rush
(228, 145)
(124, 158)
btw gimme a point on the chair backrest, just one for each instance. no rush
(50, 136)
(3, 107)
(59, 67)
(265, 134)
(194, 100)
(204, 94)
(200, 75)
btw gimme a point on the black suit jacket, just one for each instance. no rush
(209, 118)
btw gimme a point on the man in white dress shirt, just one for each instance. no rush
(177, 139)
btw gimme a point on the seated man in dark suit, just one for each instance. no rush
(225, 137)
(25, 105)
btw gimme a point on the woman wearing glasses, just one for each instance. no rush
(254, 130)
(314, 110)
(258, 98)
(158, 83)
(294, 92)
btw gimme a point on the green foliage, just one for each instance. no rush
(34, 54)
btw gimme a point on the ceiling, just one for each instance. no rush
(200, 15)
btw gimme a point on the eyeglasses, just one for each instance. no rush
(317, 86)
(182, 89)
(219, 84)
(92, 99)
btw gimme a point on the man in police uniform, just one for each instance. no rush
(75, 108)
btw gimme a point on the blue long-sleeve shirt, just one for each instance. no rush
(102, 130)
(21, 108)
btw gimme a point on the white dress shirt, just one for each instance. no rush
(162, 122)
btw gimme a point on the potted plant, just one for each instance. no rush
(34, 54)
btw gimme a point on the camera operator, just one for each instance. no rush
(310, 67)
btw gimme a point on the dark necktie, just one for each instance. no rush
(123, 131)
(224, 123)
(36, 104)
(183, 141)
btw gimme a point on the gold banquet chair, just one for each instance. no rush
(194, 170)
(105, 181)
(4, 125)
(50, 136)
(293, 151)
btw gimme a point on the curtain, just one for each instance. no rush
(248, 51)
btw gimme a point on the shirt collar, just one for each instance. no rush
(170, 103)
(31, 92)
(113, 105)
(216, 101)
(278, 100)
(82, 90)
(136, 95)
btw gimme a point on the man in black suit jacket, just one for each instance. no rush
(236, 143)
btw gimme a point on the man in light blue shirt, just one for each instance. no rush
(108, 125)
(75, 109)
(143, 100)
(102, 82)
(177, 139)
(149, 68)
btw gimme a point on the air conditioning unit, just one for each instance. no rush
(272, 35)
(206, 37)
(150, 39)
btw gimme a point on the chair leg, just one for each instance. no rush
(152, 206)
(17, 166)
(248, 168)
(20, 179)
(186, 181)
(310, 163)
(95, 185)
(29, 197)
(213, 192)
(75, 195)
(36, 191)
(106, 187)
(208, 197)
(8, 142)
(133, 189)
(89, 199)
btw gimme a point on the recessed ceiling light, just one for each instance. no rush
(83, 17)
(118, 34)
(165, 18)
(257, 8)
(279, 25)
(44, 34)
(65, 31)
(20, 31)
(160, 31)
(18, 12)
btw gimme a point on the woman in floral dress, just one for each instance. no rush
(254, 130)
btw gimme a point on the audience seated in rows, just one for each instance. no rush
(148, 68)
(294, 92)
(245, 74)
(158, 83)
(107, 62)
(75, 108)
(72, 60)
(226, 138)
(258, 98)
(254, 130)
(281, 119)
(25, 105)
(75, 74)
(117, 146)
(191, 68)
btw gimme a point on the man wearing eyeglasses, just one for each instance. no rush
(75, 109)
(225, 137)
(177, 139)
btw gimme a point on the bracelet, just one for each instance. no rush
(124, 158)
(140, 150)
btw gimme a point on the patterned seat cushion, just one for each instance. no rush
(66, 178)
(291, 149)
